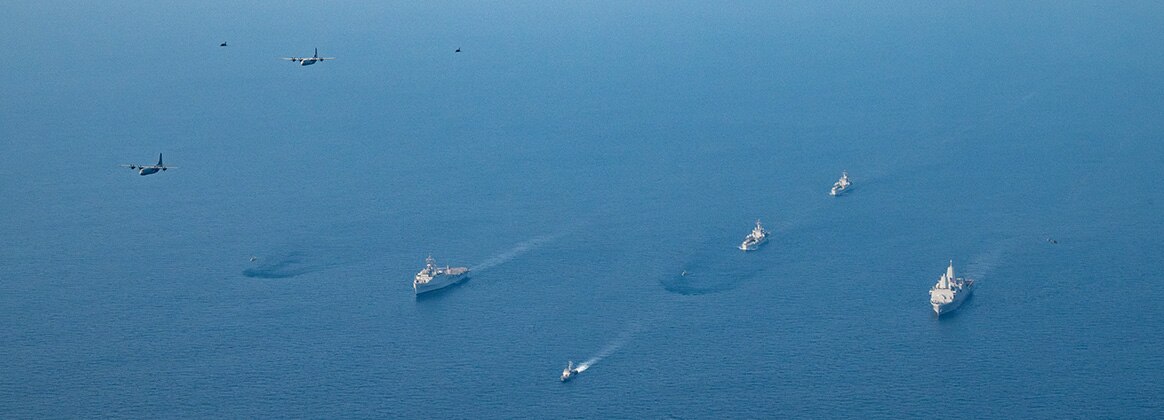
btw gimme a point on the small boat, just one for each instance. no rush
(841, 185)
(569, 371)
(755, 239)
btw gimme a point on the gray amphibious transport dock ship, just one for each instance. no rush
(950, 292)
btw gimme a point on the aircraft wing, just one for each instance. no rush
(326, 58)
(289, 58)
(129, 165)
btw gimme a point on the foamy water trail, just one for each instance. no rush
(611, 347)
(517, 250)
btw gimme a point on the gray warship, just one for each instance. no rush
(435, 278)
(950, 292)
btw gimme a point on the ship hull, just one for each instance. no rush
(752, 246)
(945, 308)
(438, 283)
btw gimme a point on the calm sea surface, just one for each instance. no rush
(581, 157)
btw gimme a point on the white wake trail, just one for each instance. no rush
(517, 250)
(610, 348)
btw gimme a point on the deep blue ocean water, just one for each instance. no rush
(580, 157)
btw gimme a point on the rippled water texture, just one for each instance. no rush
(596, 165)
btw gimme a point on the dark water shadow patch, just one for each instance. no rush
(290, 265)
(316, 246)
(710, 272)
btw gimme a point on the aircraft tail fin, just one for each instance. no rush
(316, 53)
(159, 159)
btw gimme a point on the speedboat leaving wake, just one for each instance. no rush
(569, 372)
(572, 370)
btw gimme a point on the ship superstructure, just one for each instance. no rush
(841, 185)
(758, 237)
(950, 291)
(433, 277)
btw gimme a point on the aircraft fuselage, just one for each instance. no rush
(148, 171)
(307, 62)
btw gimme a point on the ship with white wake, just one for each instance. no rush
(569, 372)
(433, 277)
(949, 293)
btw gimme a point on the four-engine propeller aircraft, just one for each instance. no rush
(307, 61)
(144, 170)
